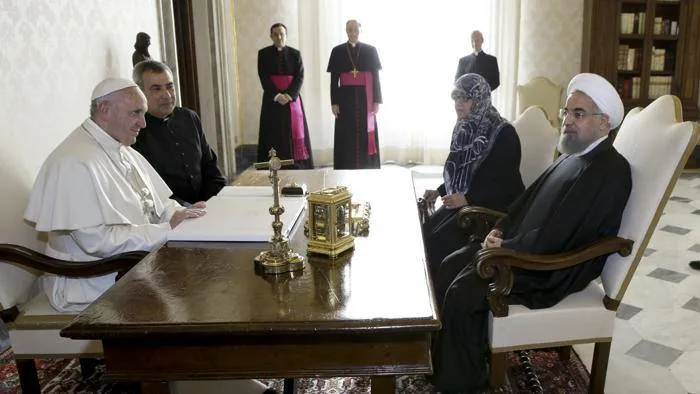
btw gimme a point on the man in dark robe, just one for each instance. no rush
(282, 118)
(355, 97)
(173, 140)
(480, 62)
(578, 199)
(143, 41)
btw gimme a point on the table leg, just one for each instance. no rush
(155, 388)
(383, 384)
(289, 386)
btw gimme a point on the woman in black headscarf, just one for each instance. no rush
(482, 168)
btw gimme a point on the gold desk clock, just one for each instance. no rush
(280, 258)
(329, 227)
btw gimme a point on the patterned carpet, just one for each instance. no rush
(63, 376)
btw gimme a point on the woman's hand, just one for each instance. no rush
(494, 239)
(454, 201)
(430, 196)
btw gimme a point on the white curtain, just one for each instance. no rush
(419, 45)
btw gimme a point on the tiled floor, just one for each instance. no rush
(656, 344)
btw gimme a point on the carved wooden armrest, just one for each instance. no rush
(496, 263)
(20, 255)
(478, 221)
(425, 209)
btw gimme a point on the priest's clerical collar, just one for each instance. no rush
(353, 44)
(151, 118)
(280, 49)
(477, 53)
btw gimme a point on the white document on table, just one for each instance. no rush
(239, 216)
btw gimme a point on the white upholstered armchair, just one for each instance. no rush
(657, 143)
(543, 92)
(538, 143)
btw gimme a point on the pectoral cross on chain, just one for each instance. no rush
(354, 72)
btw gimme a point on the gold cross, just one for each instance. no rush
(354, 72)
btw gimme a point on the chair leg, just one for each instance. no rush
(498, 371)
(87, 367)
(28, 378)
(599, 368)
(564, 353)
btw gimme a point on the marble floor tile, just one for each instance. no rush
(667, 275)
(626, 312)
(680, 199)
(674, 327)
(654, 353)
(695, 248)
(693, 305)
(629, 375)
(675, 230)
(685, 369)
(649, 252)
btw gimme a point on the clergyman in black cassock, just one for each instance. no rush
(480, 62)
(579, 198)
(173, 140)
(355, 97)
(282, 117)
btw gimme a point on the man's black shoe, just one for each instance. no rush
(695, 264)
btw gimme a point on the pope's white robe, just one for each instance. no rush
(89, 208)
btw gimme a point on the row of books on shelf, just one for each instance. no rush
(629, 88)
(665, 26)
(633, 23)
(629, 59)
(662, 60)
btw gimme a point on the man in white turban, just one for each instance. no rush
(578, 199)
(97, 197)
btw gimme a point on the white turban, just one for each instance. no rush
(111, 85)
(603, 94)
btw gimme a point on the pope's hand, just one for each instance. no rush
(187, 213)
(336, 110)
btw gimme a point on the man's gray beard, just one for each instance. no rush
(570, 145)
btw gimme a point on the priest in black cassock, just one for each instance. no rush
(578, 199)
(282, 119)
(355, 98)
(480, 62)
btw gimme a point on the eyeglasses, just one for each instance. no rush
(578, 114)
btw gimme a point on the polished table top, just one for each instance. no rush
(211, 289)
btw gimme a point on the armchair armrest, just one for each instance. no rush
(120, 263)
(425, 209)
(478, 221)
(496, 263)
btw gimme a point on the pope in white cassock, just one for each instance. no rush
(97, 197)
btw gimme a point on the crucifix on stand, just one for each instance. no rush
(280, 258)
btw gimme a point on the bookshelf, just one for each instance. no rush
(646, 48)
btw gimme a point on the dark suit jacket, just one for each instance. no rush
(484, 65)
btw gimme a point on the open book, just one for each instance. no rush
(239, 214)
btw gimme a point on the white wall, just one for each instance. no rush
(551, 36)
(52, 54)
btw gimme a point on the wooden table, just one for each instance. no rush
(193, 312)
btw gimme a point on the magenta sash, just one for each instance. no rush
(282, 82)
(364, 78)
